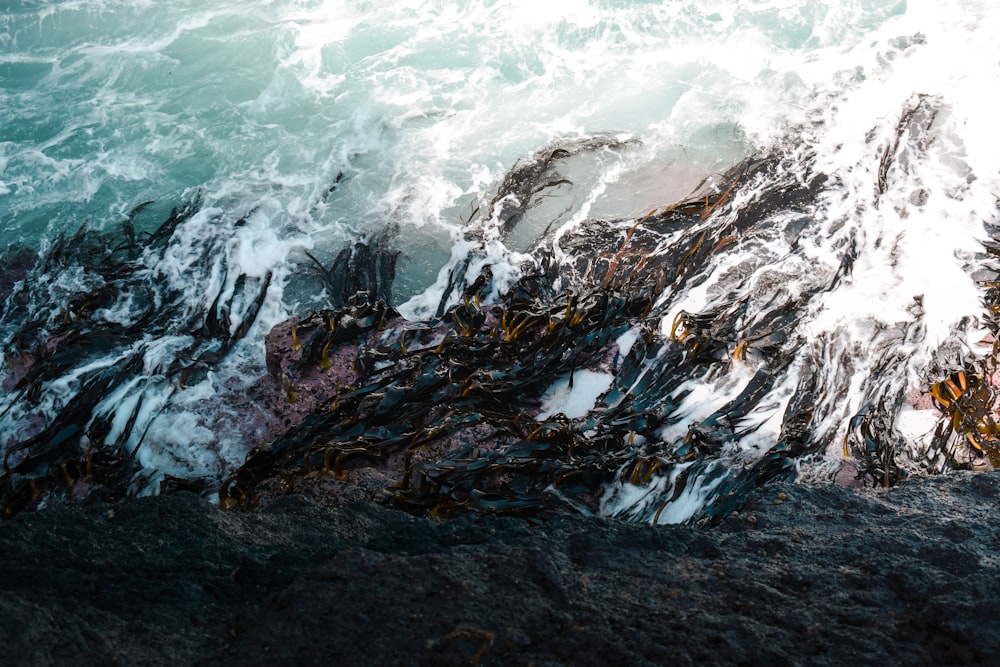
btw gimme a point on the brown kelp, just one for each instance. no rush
(82, 323)
(655, 367)
(451, 409)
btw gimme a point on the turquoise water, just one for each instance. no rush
(322, 121)
(422, 105)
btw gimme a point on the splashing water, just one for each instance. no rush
(299, 127)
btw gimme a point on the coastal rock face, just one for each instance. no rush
(817, 575)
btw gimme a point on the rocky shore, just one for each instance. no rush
(803, 575)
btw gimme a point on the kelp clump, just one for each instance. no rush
(655, 367)
(98, 339)
(453, 410)
(453, 406)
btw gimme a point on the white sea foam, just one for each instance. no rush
(574, 396)
(687, 488)
(626, 341)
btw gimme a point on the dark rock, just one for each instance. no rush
(832, 576)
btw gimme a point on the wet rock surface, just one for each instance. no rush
(803, 575)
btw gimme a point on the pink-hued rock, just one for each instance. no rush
(17, 366)
(920, 400)
(28, 426)
(293, 388)
(847, 476)
(19, 362)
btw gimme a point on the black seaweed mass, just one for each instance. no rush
(449, 425)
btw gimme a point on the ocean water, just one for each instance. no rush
(303, 125)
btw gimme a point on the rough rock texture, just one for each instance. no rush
(826, 576)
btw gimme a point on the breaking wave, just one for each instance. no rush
(780, 264)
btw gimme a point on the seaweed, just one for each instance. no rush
(73, 454)
(453, 425)
(368, 265)
(447, 413)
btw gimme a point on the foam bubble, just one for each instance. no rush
(574, 396)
